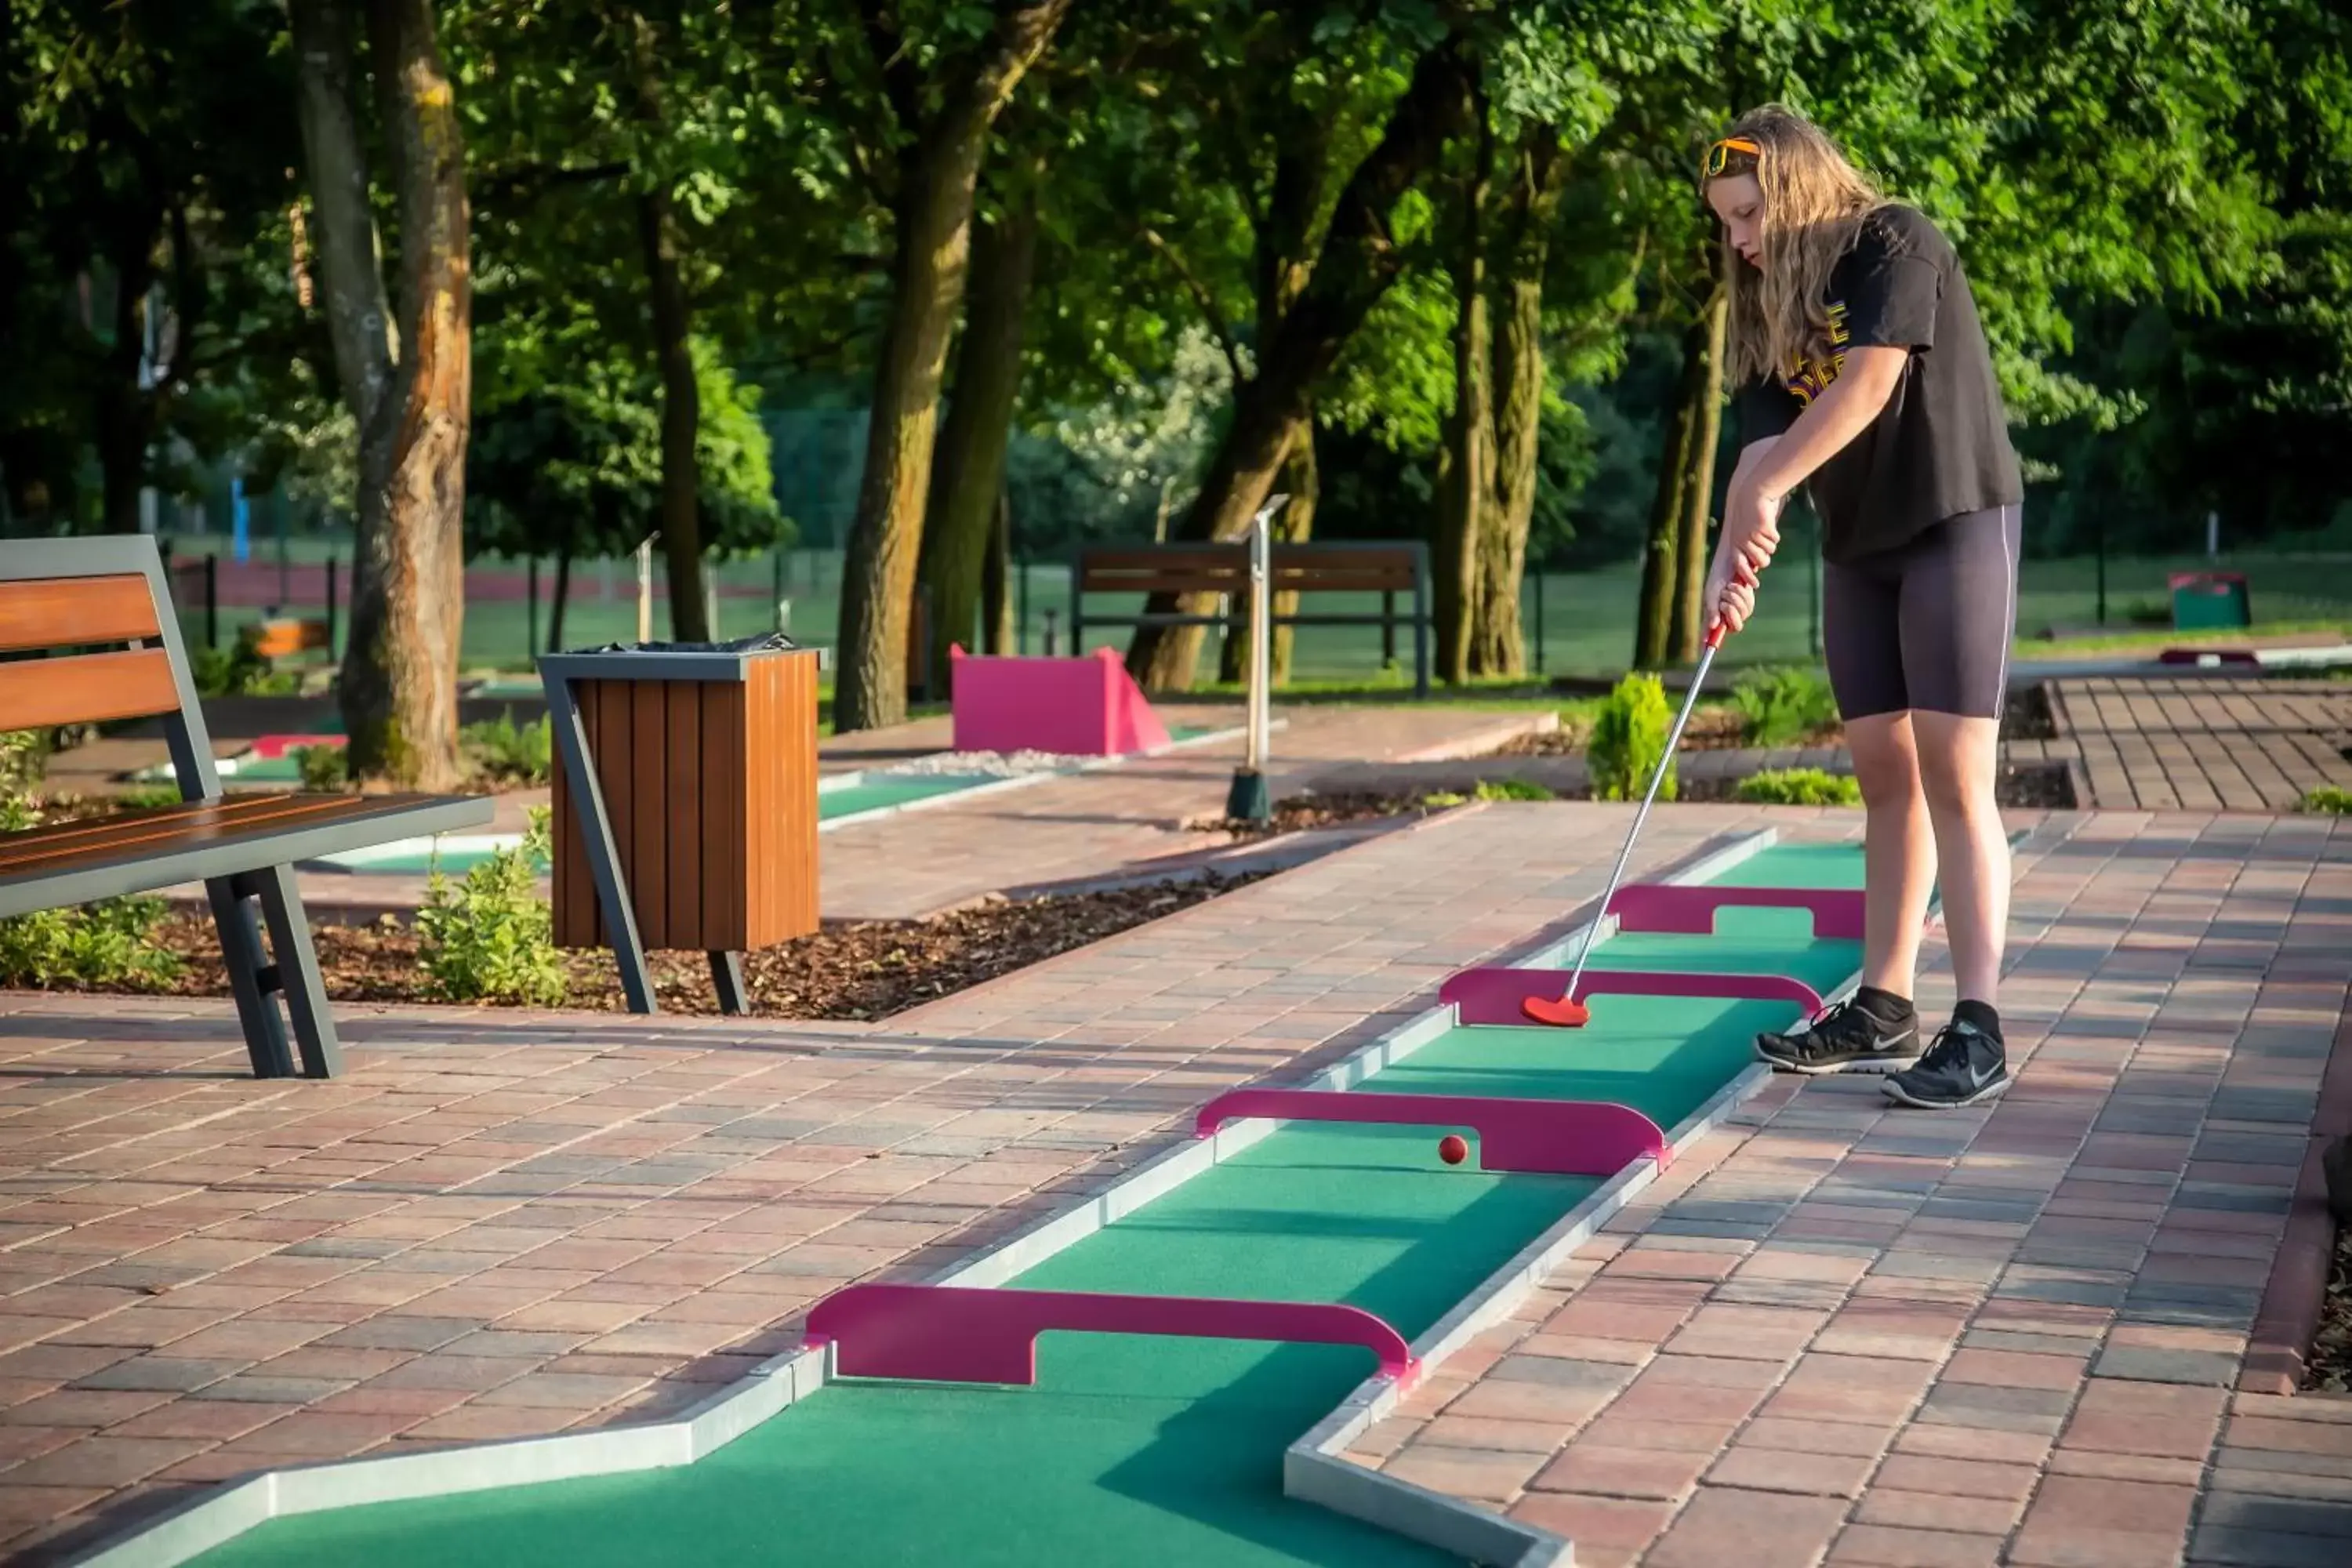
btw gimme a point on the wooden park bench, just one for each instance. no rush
(1387, 570)
(88, 636)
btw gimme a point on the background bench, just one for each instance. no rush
(1387, 570)
(88, 636)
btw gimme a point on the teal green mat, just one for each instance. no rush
(1162, 1451)
(875, 794)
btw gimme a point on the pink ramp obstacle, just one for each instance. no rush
(952, 1333)
(1556, 1137)
(275, 746)
(1493, 995)
(1690, 912)
(1087, 707)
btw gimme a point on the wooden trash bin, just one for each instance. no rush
(684, 805)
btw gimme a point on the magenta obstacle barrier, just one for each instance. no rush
(1493, 995)
(1088, 707)
(1555, 1137)
(2217, 655)
(1690, 912)
(275, 746)
(952, 1333)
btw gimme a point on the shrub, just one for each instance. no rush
(1799, 786)
(147, 797)
(324, 768)
(1438, 800)
(22, 759)
(491, 938)
(240, 671)
(2328, 800)
(511, 752)
(1629, 739)
(107, 943)
(1512, 789)
(1780, 707)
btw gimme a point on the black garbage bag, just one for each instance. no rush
(762, 642)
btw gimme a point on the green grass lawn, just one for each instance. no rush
(1587, 617)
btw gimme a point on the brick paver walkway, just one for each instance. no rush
(1901, 1340)
(2002, 1335)
(2213, 742)
(501, 1224)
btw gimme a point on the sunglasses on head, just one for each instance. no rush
(1719, 157)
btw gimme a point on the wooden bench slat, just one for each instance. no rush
(49, 851)
(65, 612)
(86, 689)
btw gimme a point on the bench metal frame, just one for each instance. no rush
(1282, 553)
(248, 881)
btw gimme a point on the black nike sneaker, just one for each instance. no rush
(1843, 1036)
(1965, 1066)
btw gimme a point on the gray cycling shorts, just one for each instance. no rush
(1927, 624)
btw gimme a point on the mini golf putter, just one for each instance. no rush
(962, 1333)
(1542, 1137)
(1568, 1012)
(1497, 994)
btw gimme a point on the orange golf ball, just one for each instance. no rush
(1452, 1149)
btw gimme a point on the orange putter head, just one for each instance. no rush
(1559, 1012)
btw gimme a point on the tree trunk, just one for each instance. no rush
(1539, 172)
(408, 587)
(1294, 524)
(563, 592)
(968, 478)
(1468, 481)
(1358, 261)
(681, 418)
(1706, 422)
(932, 237)
(997, 609)
(125, 412)
(1660, 550)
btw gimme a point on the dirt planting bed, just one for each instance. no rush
(858, 970)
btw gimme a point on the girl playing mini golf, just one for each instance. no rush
(1865, 377)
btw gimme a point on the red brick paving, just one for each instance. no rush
(2004, 1335)
(501, 1223)
(2207, 743)
(1832, 1333)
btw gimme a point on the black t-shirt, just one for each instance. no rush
(1941, 446)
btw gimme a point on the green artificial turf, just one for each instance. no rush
(1133, 1449)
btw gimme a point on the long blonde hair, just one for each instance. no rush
(1814, 202)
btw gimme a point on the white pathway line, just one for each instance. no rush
(1311, 1470)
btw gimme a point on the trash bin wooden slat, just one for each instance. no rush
(710, 788)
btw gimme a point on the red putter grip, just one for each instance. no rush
(1715, 633)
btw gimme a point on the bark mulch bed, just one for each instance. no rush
(1712, 729)
(855, 970)
(1303, 813)
(2032, 786)
(2329, 1368)
(2027, 715)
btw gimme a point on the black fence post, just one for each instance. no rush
(212, 600)
(331, 566)
(1539, 620)
(531, 591)
(1020, 611)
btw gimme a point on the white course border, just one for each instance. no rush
(995, 786)
(1312, 1469)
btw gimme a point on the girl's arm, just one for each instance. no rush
(1769, 470)
(1842, 411)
